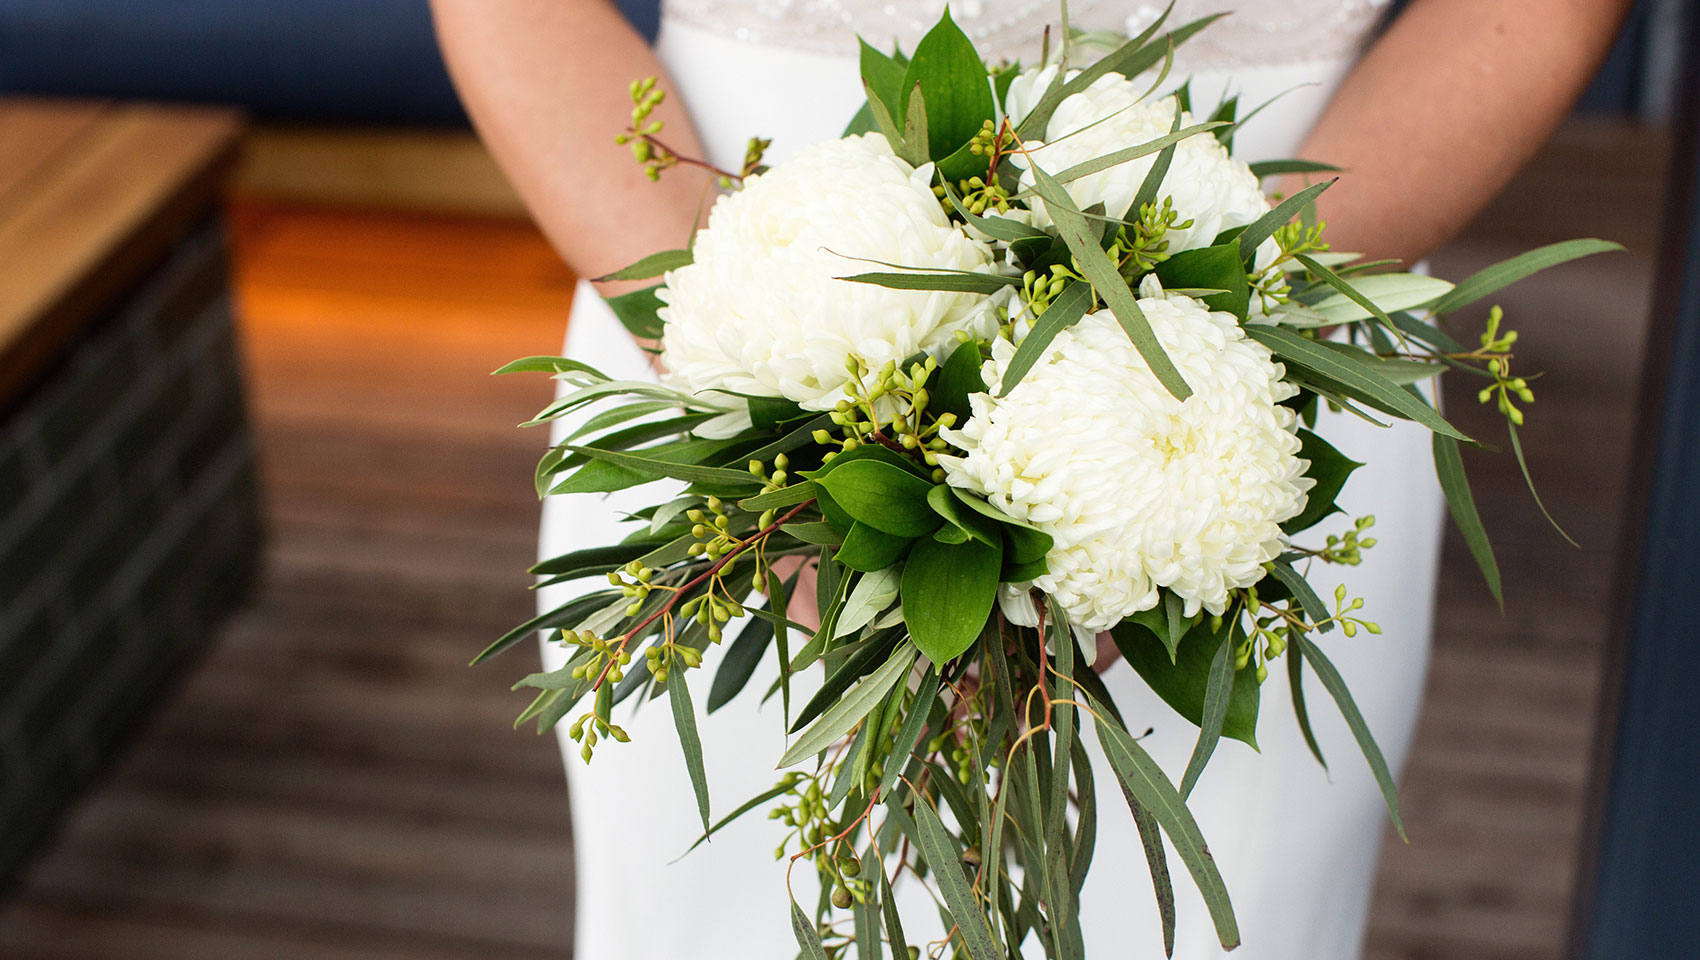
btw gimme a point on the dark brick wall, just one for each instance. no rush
(128, 527)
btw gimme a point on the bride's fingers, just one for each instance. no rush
(800, 606)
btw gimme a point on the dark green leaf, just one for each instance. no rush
(971, 523)
(1309, 355)
(1449, 467)
(893, 923)
(638, 312)
(1329, 468)
(1183, 683)
(958, 380)
(915, 135)
(948, 589)
(821, 534)
(866, 549)
(1152, 840)
(882, 496)
(951, 77)
(883, 78)
(685, 721)
(748, 805)
(1217, 267)
(1503, 274)
(1115, 158)
(653, 265)
(883, 120)
(1336, 687)
(740, 661)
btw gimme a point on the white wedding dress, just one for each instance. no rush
(1296, 845)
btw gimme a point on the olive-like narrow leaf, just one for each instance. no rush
(915, 135)
(1505, 273)
(783, 497)
(1336, 687)
(808, 938)
(549, 365)
(1310, 355)
(1086, 168)
(1082, 241)
(856, 704)
(947, 282)
(685, 721)
(1449, 468)
(1064, 312)
(653, 265)
(893, 923)
(883, 120)
(1161, 884)
(910, 734)
(1295, 682)
(1300, 588)
(654, 468)
(1275, 168)
(1529, 481)
(748, 805)
(1265, 226)
(1385, 292)
(740, 661)
(959, 899)
(1140, 776)
(1218, 689)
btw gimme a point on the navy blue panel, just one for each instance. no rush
(354, 60)
(1640, 884)
(645, 15)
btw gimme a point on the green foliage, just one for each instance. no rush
(948, 590)
(1329, 468)
(1184, 683)
(949, 75)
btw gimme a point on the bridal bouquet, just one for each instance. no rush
(1026, 358)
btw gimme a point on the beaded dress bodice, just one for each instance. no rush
(1260, 32)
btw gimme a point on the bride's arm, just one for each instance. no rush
(546, 84)
(1444, 108)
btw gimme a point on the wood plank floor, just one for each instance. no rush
(333, 782)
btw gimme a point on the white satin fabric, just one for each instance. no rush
(1296, 845)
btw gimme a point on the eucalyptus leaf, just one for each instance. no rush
(1388, 291)
(1495, 278)
(1449, 468)
(937, 846)
(1064, 312)
(1310, 355)
(685, 721)
(857, 703)
(1336, 687)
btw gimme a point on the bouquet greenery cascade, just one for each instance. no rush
(1024, 359)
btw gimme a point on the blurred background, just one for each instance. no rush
(260, 502)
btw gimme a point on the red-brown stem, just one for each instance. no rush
(698, 581)
(654, 141)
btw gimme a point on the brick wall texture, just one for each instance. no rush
(128, 527)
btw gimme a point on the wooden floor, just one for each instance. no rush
(333, 782)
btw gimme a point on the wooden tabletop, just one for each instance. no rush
(91, 194)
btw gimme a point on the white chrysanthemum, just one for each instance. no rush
(1211, 188)
(1140, 490)
(761, 312)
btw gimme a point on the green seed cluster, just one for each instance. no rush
(1348, 548)
(1145, 244)
(1350, 625)
(633, 581)
(585, 730)
(662, 658)
(601, 652)
(978, 196)
(1268, 639)
(774, 478)
(646, 96)
(713, 530)
(1505, 386)
(861, 418)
